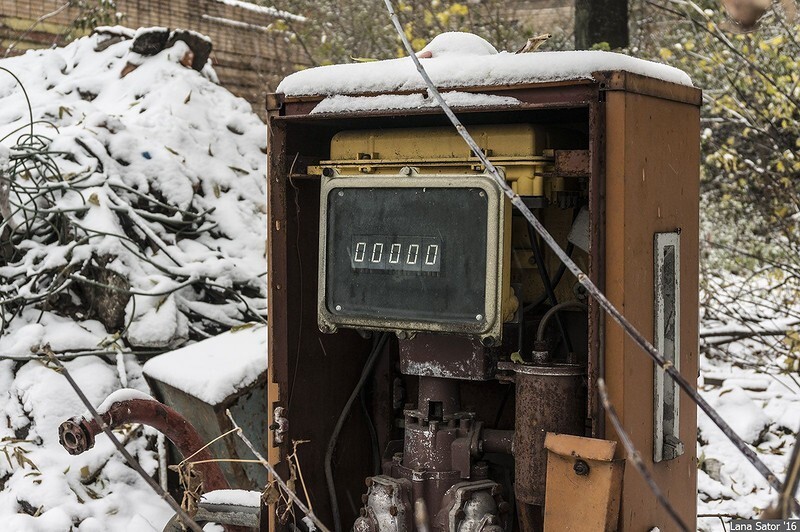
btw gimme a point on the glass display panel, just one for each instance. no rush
(407, 254)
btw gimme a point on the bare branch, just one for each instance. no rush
(292, 495)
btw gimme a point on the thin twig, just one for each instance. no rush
(188, 521)
(205, 447)
(790, 483)
(636, 458)
(582, 278)
(292, 495)
(33, 26)
(300, 471)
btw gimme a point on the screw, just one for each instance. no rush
(338, 307)
(482, 194)
(341, 193)
(581, 468)
(479, 317)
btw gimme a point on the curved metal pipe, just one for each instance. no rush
(77, 435)
(550, 313)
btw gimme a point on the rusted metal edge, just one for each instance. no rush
(274, 101)
(597, 208)
(573, 163)
(647, 86)
(302, 110)
(580, 447)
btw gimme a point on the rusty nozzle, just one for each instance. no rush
(74, 437)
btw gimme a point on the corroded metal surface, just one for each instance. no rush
(549, 399)
(387, 506)
(456, 357)
(575, 163)
(77, 435)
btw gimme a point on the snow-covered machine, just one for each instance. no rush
(438, 361)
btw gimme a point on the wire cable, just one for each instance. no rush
(548, 289)
(365, 373)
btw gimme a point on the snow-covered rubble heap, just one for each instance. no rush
(457, 59)
(748, 372)
(154, 186)
(131, 218)
(763, 407)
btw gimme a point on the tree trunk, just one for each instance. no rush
(598, 21)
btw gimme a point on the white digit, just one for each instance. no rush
(430, 256)
(361, 249)
(394, 254)
(377, 252)
(413, 251)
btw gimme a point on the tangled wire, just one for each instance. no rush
(80, 241)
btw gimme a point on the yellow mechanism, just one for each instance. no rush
(524, 154)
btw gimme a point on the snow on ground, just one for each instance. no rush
(748, 374)
(462, 60)
(764, 409)
(44, 488)
(163, 132)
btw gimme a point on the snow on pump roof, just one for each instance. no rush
(465, 60)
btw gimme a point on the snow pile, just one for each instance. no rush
(748, 373)
(44, 488)
(140, 177)
(463, 60)
(766, 417)
(349, 104)
(158, 190)
(216, 368)
(34, 328)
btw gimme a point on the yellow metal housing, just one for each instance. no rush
(523, 153)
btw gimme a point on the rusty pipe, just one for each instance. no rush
(77, 435)
(497, 441)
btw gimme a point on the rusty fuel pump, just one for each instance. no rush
(416, 240)
(431, 366)
(449, 360)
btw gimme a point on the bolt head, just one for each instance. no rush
(581, 468)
